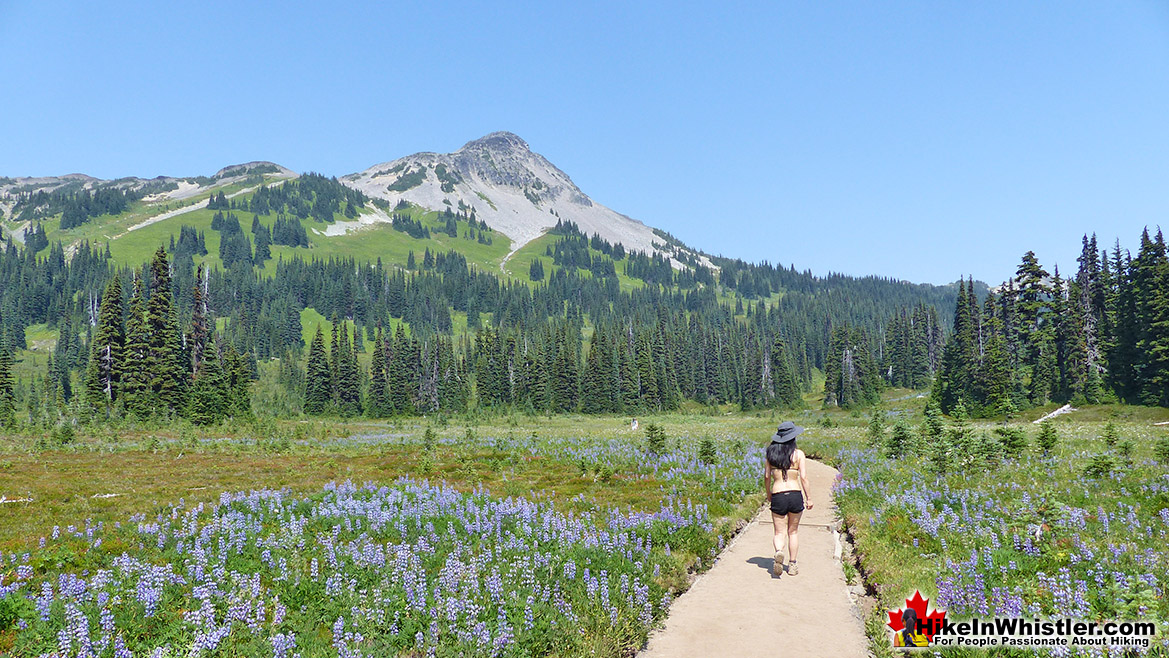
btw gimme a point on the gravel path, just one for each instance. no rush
(739, 609)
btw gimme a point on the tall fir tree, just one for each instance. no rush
(239, 378)
(164, 362)
(200, 324)
(7, 390)
(103, 376)
(318, 376)
(376, 403)
(209, 398)
(134, 377)
(785, 388)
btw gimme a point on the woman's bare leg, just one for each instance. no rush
(793, 538)
(779, 522)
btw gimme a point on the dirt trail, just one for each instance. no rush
(739, 609)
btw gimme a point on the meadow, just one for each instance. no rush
(529, 536)
(535, 535)
(1077, 531)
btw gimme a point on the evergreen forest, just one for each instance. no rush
(172, 339)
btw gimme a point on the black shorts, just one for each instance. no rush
(787, 502)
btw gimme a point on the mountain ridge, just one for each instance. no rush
(514, 189)
(497, 177)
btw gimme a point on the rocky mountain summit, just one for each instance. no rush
(514, 189)
(498, 178)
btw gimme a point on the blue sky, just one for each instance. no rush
(917, 140)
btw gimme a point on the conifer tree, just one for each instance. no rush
(995, 373)
(318, 387)
(401, 365)
(348, 384)
(598, 387)
(106, 350)
(376, 400)
(1012, 439)
(239, 378)
(200, 329)
(783, 378)
(565, 375)
(134, 376)
(164, 357)
(1048, 437)
(210, 397)
(1032, 289)
(1150, 282)
(876, 429)
(7, 391)
(900, 442)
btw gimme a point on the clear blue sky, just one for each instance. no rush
(919, 140)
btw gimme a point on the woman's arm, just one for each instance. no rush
(766, 482)
(804, 482)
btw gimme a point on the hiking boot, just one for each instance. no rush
(793, 569)
(777, 563)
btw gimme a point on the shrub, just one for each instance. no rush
(1099, 466)
(1048, 437)
(876, 432)
(502, 443)
(961, 437)
(1110, 435)
(429, 439)
(1161, 450)
(901, 442)
(706, 451)
(933, 425)
(1012, 439)
(64, 434)
(1126, 450)
(989, 451)
(605, 474)
(14, 609)
(655, 436)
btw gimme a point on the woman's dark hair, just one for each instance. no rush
(779, 455)
(909, 618)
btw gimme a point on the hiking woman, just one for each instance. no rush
(785, 481)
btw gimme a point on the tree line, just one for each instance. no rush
(1100, 335)
(568, 342)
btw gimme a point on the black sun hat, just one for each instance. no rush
(786, 431)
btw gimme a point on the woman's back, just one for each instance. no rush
(787, 479)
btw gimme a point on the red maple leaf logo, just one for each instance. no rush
(931, 622)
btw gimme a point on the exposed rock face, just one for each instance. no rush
(515, 190)
(10, 187)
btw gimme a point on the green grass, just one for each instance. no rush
(519, 265)
(915, 529)
(108, 474)
(310, 319)
(107, 228)
(369, 243)
(364, 243)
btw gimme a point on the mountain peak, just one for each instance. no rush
(512, 188)
(498, 141)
